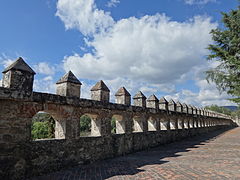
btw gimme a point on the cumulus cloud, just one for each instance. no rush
(84, 16)
(152, 48)
(150, 53)
(44, 68)
(113, 3)
(45, 84)
(199, 2)
(208, 94)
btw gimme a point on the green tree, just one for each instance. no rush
(219, 109)
(85, 125)
(226, 50)
(42, 130)
(43, 126)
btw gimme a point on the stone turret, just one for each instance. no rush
(19, 76)
(123, 96)
(139, 99)
(172, 106)
(163, 104)
(100, 92)
(69, 85)
(185, 108)
(153, 102)
(179, 107)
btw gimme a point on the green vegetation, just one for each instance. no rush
(219, 109)
(85, 125)
(113, 125)
(43, 126)
(226, 51)
(233, 114)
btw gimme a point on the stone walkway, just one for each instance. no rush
(213, 156)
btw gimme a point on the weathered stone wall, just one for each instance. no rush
(137, 128)
(18, 80)
(66, 89)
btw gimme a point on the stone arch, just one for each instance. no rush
(173, 122)
(164, 123)
(95, 124)
(186, 123)
(120, 123)
(180, 122)
(43, 126)
(137, 123)
(191, 123)
(152, 124)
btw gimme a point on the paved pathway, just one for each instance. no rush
(213, 156)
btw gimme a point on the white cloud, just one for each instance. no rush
(44, 68)
(151, 53)
(113, 3)
(152, 49)
(48, 78)
(84, 16)
(199, 2)
(208, 93)
(45, 84)
(6, 61)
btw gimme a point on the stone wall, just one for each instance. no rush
(137, 127)
(150, 122)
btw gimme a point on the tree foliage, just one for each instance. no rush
(85, 124)
(219, 109)
(226, 51)
(43, 126)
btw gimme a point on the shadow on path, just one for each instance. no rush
(137, 164)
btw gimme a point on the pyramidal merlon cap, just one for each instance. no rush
(100, 86)
(163, 100)
(20, 65)
(69, 77)
(122, 91)
(139, 95)
(171, 101)
(178, 103)
(152, 98)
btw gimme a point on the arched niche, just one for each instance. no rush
(137, 124)
(92, 125)
(44, 126)
(152, 124)
(118, 124)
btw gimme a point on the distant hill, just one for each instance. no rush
(232, 108)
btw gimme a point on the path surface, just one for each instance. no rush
(213, 156)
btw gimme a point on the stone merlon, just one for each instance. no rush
(69, 77)
(100, 92)
(153, 102)
(140, 99)
(123, 96)
(20, 65)
(163, 104)
(69, 85)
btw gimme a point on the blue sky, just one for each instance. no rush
(154, 46)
